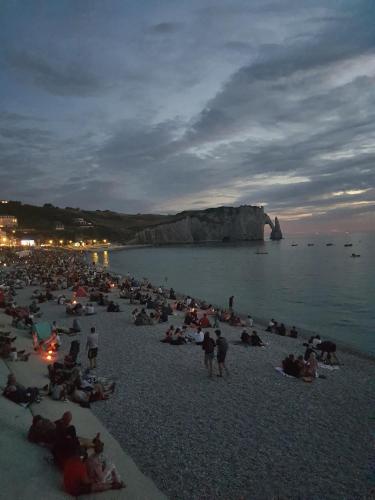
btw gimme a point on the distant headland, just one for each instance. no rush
(56, 226)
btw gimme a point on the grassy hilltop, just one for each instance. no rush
(40, 222)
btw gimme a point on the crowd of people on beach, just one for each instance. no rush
(81, 288)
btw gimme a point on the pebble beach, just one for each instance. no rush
(252, 435)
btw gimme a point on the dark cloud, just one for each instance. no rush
(165, 28)
(66, 79)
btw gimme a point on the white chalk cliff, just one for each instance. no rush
(244, 223)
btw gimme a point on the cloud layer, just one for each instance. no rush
(160, 109)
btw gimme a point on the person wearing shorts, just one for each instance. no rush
(222, 348)
(208, 345)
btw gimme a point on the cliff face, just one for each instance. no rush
(276, 233)
(219, 224)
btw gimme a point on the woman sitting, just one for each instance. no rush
(311, 368)
(168, 335)
(204, 322)
(255, 340)
(99, 469)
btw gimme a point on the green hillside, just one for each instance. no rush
(40, 222)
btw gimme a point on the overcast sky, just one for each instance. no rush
(160, 106)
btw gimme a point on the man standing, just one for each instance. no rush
(222, 348)
(92, 347)
(208, 346)
(231, 299)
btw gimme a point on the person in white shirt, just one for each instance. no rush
(250, 321)
(89, 309)
(199, 336)
(92, 347)
(316, 341)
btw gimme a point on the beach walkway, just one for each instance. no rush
(25, 472)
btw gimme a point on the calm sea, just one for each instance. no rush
(319, 288)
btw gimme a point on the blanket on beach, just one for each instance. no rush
(328, 367)
(281, 371)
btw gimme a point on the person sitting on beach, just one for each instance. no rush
(245, 337)
(300, 362)
(112, 307)
(178, 338)
(235, 320)
(281, 330)
(255, 340)
(270, 326)
(99, 468)
(168, 335)
(188, 320)
(308, 351)
(90, 310)
(34, 308)
(61, 300)
(135, 313)
(316, 341)
(204, 322)
(76, 327)
(328, 352)
(143, 319)
(293, 333)
(163, 318)
(20, 394)
(194, 336)
(208, 346)
(310, 369)
(42, 431)
(77, 481)
(290, 367)
(199, 336)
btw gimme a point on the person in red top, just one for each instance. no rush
(204, 322)
(77, 482)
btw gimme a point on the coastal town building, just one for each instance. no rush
(80, 221)
(59, 226)
(8, 221)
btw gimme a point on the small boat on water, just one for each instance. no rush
(310, 244)
(261, 253)
(355, 255)
(348, 245)
(329, 244)
(294, 244)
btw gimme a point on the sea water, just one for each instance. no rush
(300, 281)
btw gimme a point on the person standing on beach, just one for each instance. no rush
(222, 348)
(208, 345)
(250, 321)
(92, 347)
(231, 299)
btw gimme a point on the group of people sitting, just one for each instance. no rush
(253, 339)
(86, 469)
(9, 351)
(67, 380)
(178, 336)
(280, 329)
(299, 367)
